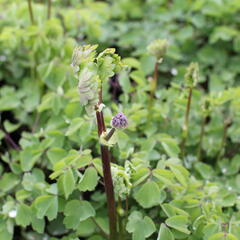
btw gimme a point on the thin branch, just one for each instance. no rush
(11, 141)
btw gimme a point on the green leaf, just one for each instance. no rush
(179, 223)
(86, 228)
(24, 213)
(89, 180)
(6, 232)
(53, 74)
(165, 176)
(138, 77)
(131, 62)
(139, 226)
(210, 229)
(56, 154)
(29, 156)
(223, 236)
(169, 144)
(8, 181)
(10, 127)
(77, 211)
(148, 195)
(164, 233)
(205, 170)
(171, 210)
(122, 139)
(75, 125)
(140, 175)
(46, 205)
(38, 224)
(180, 173)
(68, 182)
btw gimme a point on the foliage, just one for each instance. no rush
(51, 176)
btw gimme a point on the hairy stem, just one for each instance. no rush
(30, 11)
(186, 121)
(199, 154)
(49, 9)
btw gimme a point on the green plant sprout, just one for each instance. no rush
(191, 79)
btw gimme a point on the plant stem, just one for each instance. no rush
(109, 135)
(11, 141)
(100, 228)
(201, 138)
(126, 206)
(49, 9)
(108, 183)
(186, 121)
(120, 221)
(224, 138)
(154, 82)
(30, 11)
(107, 176)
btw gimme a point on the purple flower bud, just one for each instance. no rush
(119, 121)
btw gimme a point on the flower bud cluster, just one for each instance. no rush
(192, 75)
(119, 121)
(158, 48)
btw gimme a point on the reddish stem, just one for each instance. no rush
(107, 176)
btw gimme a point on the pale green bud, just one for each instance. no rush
(192, 75)
(158, 48)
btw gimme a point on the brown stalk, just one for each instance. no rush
(107, 176)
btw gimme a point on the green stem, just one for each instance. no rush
(49, 9)
(120, 221)
(201, 139)
(154, 81)
(153, 86)
(186, 121)
(224, 138)
(30, 11)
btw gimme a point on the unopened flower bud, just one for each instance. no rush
(192, 75)
(158, 48)
(119, 121)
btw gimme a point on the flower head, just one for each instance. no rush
(158, 48)
(192, 75)
(119, 121)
